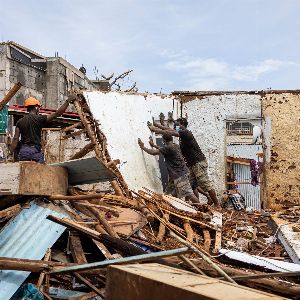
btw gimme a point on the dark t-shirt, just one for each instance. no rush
(190, 148)
(31, 129)
(174, 161)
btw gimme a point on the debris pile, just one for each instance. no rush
(67, 241)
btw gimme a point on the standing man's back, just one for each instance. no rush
(30, 130)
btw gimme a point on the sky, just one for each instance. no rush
(171, 45)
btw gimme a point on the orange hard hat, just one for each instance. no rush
(32, 102)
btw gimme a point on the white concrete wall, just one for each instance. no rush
(123, 118)
(207, 120)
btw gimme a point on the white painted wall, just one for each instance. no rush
(207, 117)
(123, 118)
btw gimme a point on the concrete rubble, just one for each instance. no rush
(88, 229)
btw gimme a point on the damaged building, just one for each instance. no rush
(99, 220)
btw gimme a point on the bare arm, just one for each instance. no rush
(62, 109)
(59, 112)
(160, 126)
(149, 151)
(151, 143)
(171, 131)
(15, 141)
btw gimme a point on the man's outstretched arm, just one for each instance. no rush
(169, 130)
(149, 151)
(62, 109)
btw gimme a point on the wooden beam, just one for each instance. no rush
(76, 197)
(87, 283)
(27, 264)
(105, 208)
(218, 241)
(162, 229)
(9, 95)
(42, 275)
(110, 241)
(189, 231)
(72, 127)
(10, 212)
(74, 225)
(75, 133)
(76, 249)
(207, 239)
(191, 264)
(84, 151)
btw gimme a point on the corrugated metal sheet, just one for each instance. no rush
(244, 151)
(27, 236)
(250, 193)
(87, 170)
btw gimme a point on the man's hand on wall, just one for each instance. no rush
(162, 118)
(151, 143)
(141, 144)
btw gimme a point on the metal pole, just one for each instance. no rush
(125, 260)
(203, 256)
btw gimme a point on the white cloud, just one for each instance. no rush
(211, 73)
(252, 72)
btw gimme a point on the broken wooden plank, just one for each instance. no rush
(109, 241)
(101, 218)
(207, 239)
(75, 133)
(76, 249)
(191, 264)
(113, 211)
(71, 127)
(42, 275)
(74, 225)
(9, 95)
(83, 152)
(77, 197)
(103, 249)
(218, 241)
(10, 212)
(189, 231)
(87, 283)
(7, 263)
(162, 229)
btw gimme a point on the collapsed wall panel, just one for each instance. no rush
(123, 119)
(281, 113)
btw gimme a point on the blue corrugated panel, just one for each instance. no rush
(27, 236)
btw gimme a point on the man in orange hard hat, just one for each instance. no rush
(30, 129)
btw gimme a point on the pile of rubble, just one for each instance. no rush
(76, 236)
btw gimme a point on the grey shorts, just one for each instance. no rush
(180, 187)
